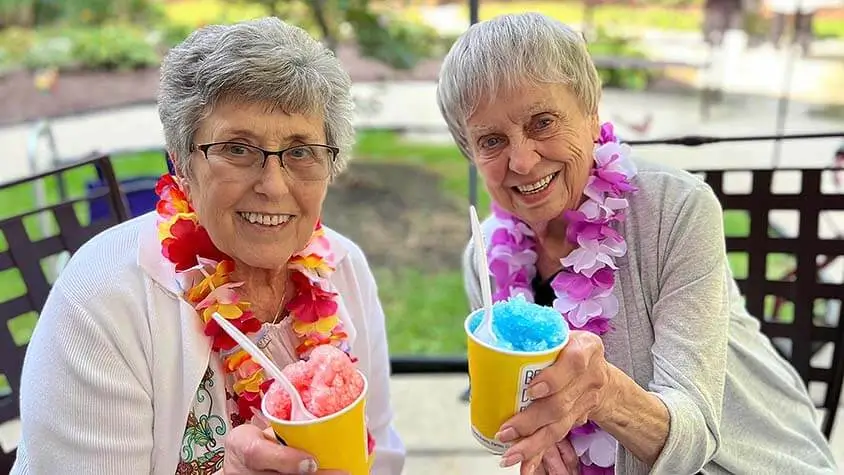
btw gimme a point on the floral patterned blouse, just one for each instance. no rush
(211, 417)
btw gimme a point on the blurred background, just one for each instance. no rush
(80, 76)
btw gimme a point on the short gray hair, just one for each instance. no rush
(511, 51)
(263, 61)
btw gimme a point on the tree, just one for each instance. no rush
(379, 35)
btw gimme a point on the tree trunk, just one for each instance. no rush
(318, 9)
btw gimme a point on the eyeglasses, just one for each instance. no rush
(308, 162)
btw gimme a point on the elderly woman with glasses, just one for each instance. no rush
(127, 371)
(665, 371)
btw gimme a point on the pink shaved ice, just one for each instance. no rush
(328, 382)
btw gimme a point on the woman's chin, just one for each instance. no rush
(540, 212)
(255, 259)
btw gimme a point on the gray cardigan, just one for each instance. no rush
(683, 333)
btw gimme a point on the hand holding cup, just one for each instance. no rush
(251, 451)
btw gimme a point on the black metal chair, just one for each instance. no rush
(22, 262)
(816, 324)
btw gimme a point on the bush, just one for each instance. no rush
(114, 46)
(615, 46)
(393, 41)
(50, 52)
(31, 13)
(15, 42)
(171, 34)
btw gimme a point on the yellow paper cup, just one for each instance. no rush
(498, 381)
(337, 441)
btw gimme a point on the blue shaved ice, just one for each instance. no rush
(523, 326)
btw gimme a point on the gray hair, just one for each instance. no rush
(505, 53)
(264, 61)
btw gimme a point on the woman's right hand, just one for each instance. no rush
(250, 451)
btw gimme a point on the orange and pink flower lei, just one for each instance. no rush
(313, 308)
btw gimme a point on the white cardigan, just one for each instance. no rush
(123, 358)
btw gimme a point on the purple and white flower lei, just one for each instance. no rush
(584, 288)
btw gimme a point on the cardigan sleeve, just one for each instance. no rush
(691, 322)
(389, 449)
(85, 390)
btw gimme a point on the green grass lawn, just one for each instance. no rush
(424, 311)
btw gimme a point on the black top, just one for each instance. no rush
(543, 293)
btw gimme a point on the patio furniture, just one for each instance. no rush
(812, 337)
(22, 261)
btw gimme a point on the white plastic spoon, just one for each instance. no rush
(484, 331)
(298, 411)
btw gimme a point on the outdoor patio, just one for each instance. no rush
(429, 413)
(406, 157)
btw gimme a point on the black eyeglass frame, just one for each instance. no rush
(267, 153)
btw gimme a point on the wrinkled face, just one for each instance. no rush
(262, 220)
(533, 148)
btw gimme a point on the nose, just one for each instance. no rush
(523, 157)
(273, 179)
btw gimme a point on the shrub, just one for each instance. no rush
(615, 46)
(114, 46)
(32, 13)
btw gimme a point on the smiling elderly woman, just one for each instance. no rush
(123, 374)
(664, 362)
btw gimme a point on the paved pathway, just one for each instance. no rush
(435, 428)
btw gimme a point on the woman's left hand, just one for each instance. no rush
(565, 395)
(560, 461)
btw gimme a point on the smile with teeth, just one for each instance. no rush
(265, 219)
(540, 185)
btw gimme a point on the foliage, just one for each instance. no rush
(78, 34)
(35, 13)
(380, 34)
(112, 46)
(607, 45)
(392, 40)
(195, 13)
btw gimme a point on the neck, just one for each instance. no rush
(551, 245)
(266, 289)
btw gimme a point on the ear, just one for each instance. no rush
(178, 176)
(594, 127)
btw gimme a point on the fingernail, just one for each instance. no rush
(510, 460)
(307, 466)
(538, 391)
(532, 468)
(506, 435)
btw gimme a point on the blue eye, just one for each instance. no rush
(490, 142)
